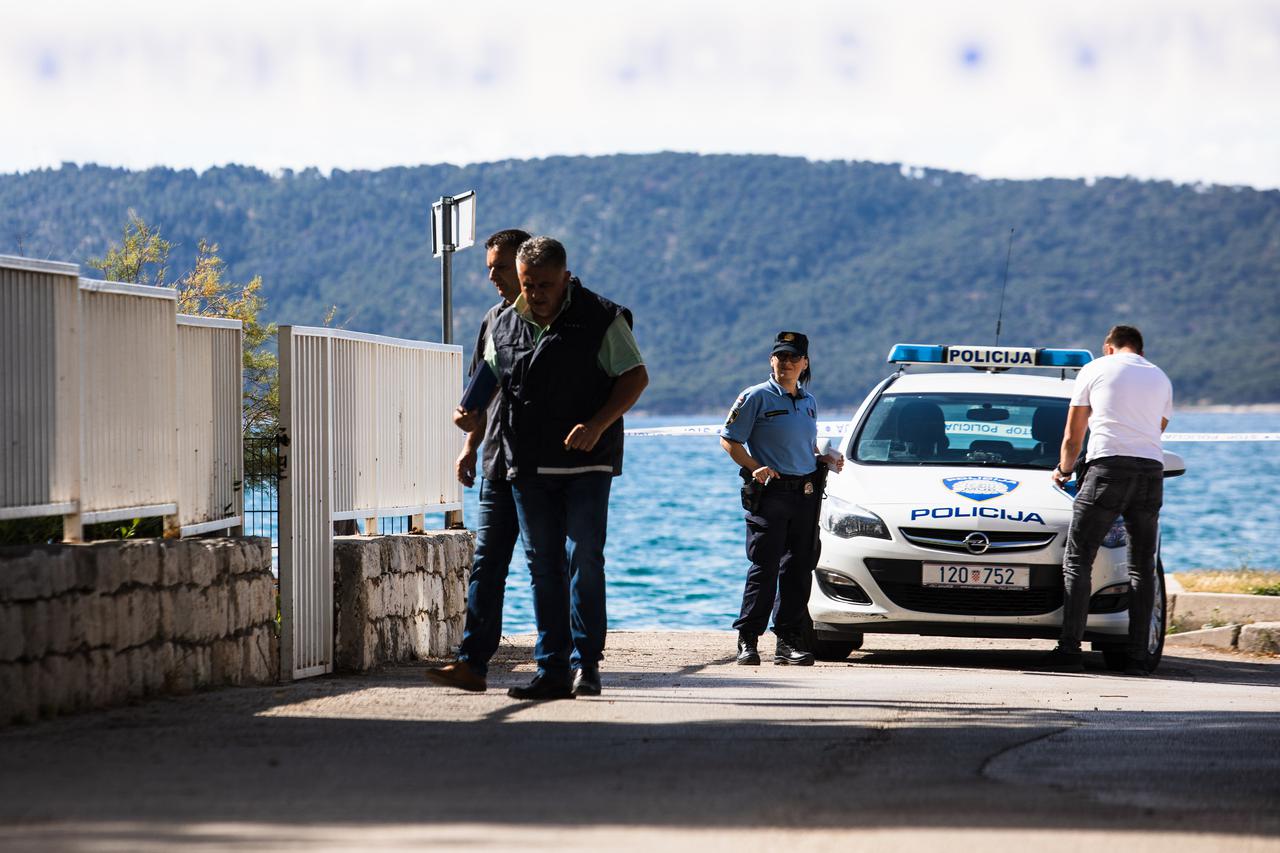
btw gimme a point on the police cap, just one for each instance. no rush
(793, 342)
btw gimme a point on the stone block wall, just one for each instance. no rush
(88, 626)
(399, 598)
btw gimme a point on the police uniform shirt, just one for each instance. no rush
(779, 430)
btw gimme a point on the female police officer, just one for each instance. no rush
(771, 433)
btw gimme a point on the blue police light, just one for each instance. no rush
(916, 353)
(1063, 357)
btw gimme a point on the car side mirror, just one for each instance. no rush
(1173, 465)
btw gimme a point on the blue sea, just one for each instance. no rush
(675, 553)
(676, 549)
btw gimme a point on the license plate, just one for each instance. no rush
(985, 577)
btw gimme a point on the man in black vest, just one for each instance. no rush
(568, 367)
(497, 527)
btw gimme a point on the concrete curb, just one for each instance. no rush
(1214, 638)
(1230, 621)
(1195, 609)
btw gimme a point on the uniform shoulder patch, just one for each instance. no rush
(737, 408)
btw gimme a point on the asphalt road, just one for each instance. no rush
(913, 744)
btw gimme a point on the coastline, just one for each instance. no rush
(717, 415)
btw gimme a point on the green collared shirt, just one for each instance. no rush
(619, 351)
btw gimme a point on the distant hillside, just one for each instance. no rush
(716, 253)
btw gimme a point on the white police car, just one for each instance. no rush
(945, 521)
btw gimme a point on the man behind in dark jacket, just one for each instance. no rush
(497, 527)
(568, 367)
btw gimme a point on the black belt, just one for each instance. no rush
(789, 482)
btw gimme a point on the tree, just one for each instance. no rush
(142, 258)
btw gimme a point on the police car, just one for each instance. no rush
(945, 520)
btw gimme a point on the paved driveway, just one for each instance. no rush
(913, 744)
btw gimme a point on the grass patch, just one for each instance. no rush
(1248, 581)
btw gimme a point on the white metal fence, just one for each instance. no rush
(39, 388)
(367, 432)
(210, 442)
(113, 406)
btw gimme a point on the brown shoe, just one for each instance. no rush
(458, 674)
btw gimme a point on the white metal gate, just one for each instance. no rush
(367, 431)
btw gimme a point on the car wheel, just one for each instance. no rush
(1117, 657)
(832, 650)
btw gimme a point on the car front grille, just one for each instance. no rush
(900, 581)
(999, 542)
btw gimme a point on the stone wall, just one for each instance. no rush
(87, 626)
(399, 597)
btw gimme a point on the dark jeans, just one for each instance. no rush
(781, 548)
(496, 532)
(1113, 486)
(563, 520)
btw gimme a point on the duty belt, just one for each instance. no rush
(786, 483)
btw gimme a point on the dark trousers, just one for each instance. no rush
(563, 520)
(1113, 486)
(496, 531)
(781, 546)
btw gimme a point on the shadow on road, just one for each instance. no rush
(1217, 671)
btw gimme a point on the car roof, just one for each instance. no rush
(969, 381)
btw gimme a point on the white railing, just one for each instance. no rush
(39, 388)
(108, 411)
(210, 437)
(367, 432)
(128, 370)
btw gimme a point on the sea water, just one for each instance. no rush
(675, 556)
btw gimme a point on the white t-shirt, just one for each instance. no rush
(1128, 396)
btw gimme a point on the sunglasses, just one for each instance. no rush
(787, 356)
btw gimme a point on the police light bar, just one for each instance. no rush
(989, 357)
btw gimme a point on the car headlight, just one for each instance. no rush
(848, 520)
(1116, 537)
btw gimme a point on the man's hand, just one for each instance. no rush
(1060, 479)
(468, 421)
(833, 459)
(582, 437)
(764, 474)
(465, 467)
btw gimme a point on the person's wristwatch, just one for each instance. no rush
(1057, 469)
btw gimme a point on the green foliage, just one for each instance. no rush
(204, 290)
(140, 257)
(714, 254)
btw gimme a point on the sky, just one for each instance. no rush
(1185, 91)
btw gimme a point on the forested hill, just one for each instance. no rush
(716, 253)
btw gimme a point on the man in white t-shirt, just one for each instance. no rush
(1125, 402)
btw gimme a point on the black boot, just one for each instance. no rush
(542, 688)
(791, 651)
(1062, 660)
(586, 681)
(748, 655)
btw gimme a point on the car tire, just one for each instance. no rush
(832, 650)
(1117, 655)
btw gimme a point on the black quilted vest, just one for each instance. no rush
(554, 384)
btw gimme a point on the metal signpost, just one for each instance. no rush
(453, 227)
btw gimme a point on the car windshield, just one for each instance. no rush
(963, 430)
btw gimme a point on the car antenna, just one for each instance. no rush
(1003, 285)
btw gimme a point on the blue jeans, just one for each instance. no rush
(496, 533)
(563, 520)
